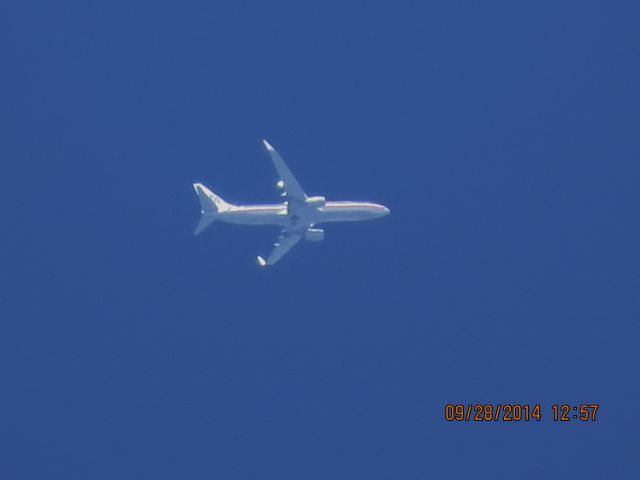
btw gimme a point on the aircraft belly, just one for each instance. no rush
(255, 218)
(343, 216)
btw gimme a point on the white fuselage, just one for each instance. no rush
(301, 216)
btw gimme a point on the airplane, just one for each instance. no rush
(298, 215)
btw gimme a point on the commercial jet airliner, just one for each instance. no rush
(298, 215)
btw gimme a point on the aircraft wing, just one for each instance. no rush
(286, 242)
(293, 190)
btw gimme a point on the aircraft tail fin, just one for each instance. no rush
(211, 205)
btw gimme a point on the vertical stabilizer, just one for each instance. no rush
(211, 205)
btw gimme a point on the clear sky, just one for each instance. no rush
(504, 137)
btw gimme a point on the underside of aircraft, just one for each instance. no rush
(298, 214)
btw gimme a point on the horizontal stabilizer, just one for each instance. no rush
(205, 220)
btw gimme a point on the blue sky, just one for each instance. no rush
(503, 136)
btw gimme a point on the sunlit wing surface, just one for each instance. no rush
(291, 186)
(286, 242)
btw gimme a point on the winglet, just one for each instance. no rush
(261, 261)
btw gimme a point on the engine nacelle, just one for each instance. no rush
(314, 235)
(280, 185)
(317, 202)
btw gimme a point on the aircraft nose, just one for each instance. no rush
(386, 211)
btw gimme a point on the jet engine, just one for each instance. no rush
(280, 185)
(317, 202)
(314, 235)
